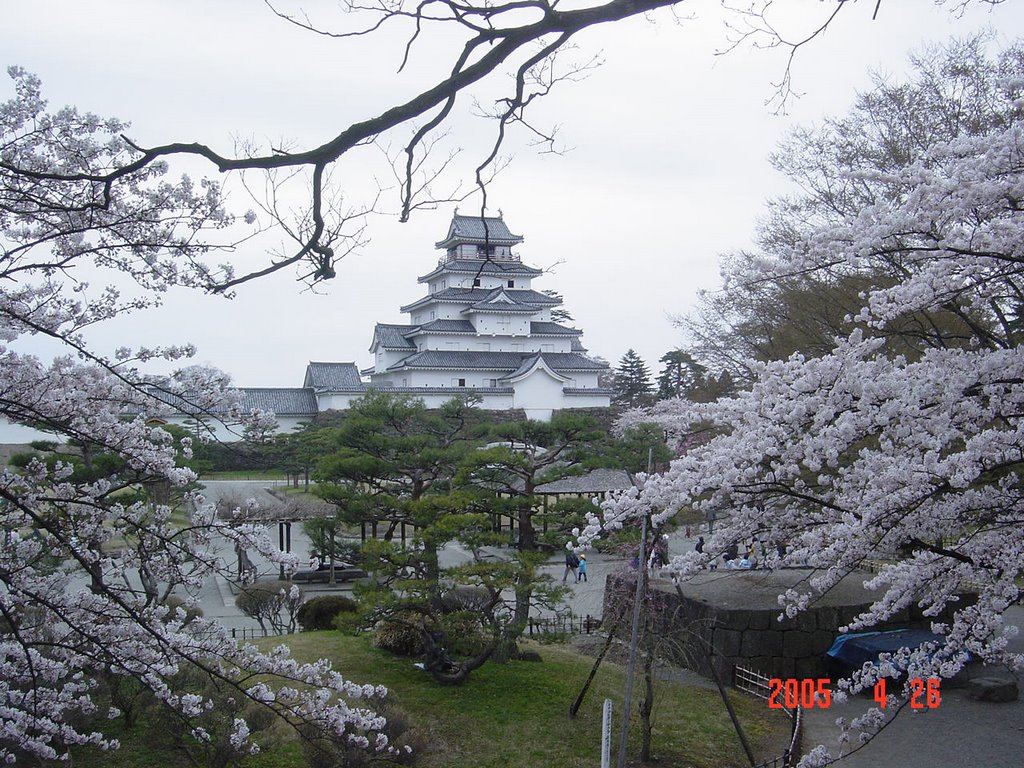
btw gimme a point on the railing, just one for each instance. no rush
(566, 624)
(756, 684)
(751, 681)
(246, 633)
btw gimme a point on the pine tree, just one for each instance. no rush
(680, 376)
(633, 387)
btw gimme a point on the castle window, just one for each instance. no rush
(476, 282)
(511, 283)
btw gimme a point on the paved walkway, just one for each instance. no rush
(585, 598)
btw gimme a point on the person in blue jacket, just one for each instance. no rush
(581, 571)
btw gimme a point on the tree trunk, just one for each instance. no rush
(448, 672)
(527, 536)
(524, 590)
(646, 706)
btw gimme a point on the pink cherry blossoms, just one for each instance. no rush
(75, 611)
(914, 461)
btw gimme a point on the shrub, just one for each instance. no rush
(271, 602)
(320, 612)
(464, 599)
(401, 635)
(22, 459)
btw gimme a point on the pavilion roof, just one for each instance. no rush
(496, 361)
(553, 329)
(283, 401)
(491, 267)
(478, 229)
(392, 336)
(470, 296)
(595, 481)
(333, 377)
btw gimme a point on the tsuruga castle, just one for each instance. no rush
(480, 327)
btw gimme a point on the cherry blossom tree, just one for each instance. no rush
(87, 565)
(857, 454)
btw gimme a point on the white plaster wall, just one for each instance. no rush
(490, 402)
(582, 379)
(444, 311)
(334, 401)
(587, 401)
(542, 344)
(442, 341)
(444, 378)
(518, 325)
(539, 392)
(384, 359)
(538, 414)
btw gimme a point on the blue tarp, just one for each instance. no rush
(855, 649)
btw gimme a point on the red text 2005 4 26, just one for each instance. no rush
(811, 692)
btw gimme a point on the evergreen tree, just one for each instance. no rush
(398, 464)
(632, 382)
(680, 376)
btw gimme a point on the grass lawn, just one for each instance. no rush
(515, 715)
(244, 474)
(512, 715)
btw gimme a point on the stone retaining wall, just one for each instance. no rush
(731, 618)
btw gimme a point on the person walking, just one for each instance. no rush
(660, 559)
(571, 564)
(581, 572)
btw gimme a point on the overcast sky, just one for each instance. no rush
(667, 169)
